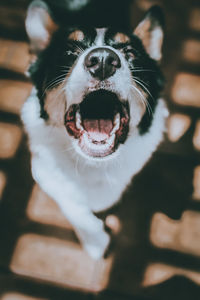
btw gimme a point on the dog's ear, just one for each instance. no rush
(150, 31)
(39, 25)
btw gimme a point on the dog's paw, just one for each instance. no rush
(97, 248)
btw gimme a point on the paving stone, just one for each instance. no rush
(17, 296)
(14, 55)
(186, 89)
(196, 184)
(191, 51)
(157, 273)
(183, 235)
(59, 262)
(196, 138)
(194, 20)
(10, 137)
(13, 94)
(146, 4)
(2, 183)
(12, 16)
(43, 209)
(178, 124)
(62, 262)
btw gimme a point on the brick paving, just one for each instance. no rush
(191, 51)
(13, 94)
(14, 55)
(156, 227)
(157, 273)
(17, 296)
(10, 139)
(182, 235)
(178, 124)
(196, 184)
(2, 183)
(60, 262)
(44, 210)
(194, 19)
(186, 89)
(196, 137)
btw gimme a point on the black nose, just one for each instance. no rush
(102, 63)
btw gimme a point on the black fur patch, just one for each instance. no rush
(55, 61)
(94, 13)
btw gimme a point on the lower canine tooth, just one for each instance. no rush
(117, 118)
(78, 121)
(116, 123)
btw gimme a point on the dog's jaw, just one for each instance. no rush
(99, 123)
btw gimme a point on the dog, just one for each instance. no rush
(94, 116)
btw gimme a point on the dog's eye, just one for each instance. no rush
(129, 53)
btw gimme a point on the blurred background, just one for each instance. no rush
(156, 253)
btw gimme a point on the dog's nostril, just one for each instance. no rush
(91, 61)
(113, 60)
(102, 63)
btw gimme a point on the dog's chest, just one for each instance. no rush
(99, 186)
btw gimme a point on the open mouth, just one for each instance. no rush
(100, 123)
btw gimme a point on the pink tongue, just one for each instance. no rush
(98, 129)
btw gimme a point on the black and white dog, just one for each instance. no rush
(94, 117)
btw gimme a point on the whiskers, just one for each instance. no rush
(77, 51)
(53, 83)
(143, 85)
(143, 99)
(79, 48)
(138, 69)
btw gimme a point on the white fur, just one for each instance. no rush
(156, 42)
(99, 41)
(39, 25)
(79, 185)
(152, 37)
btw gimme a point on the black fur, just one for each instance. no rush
(51, 63)
(95, 13)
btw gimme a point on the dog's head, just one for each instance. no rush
(102, 84)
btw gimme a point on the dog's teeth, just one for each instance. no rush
(117, 119)
(110, 141)
(116, 123)
(78, 121)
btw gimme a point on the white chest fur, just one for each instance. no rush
(81, 186)
(101, 184)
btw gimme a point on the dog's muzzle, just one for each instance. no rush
(100, 122)
(102, 63)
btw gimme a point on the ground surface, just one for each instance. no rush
(156, 253)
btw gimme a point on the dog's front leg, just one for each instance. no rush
(73, 204)
(88, 227)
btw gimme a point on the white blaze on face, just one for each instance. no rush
(100, 38)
